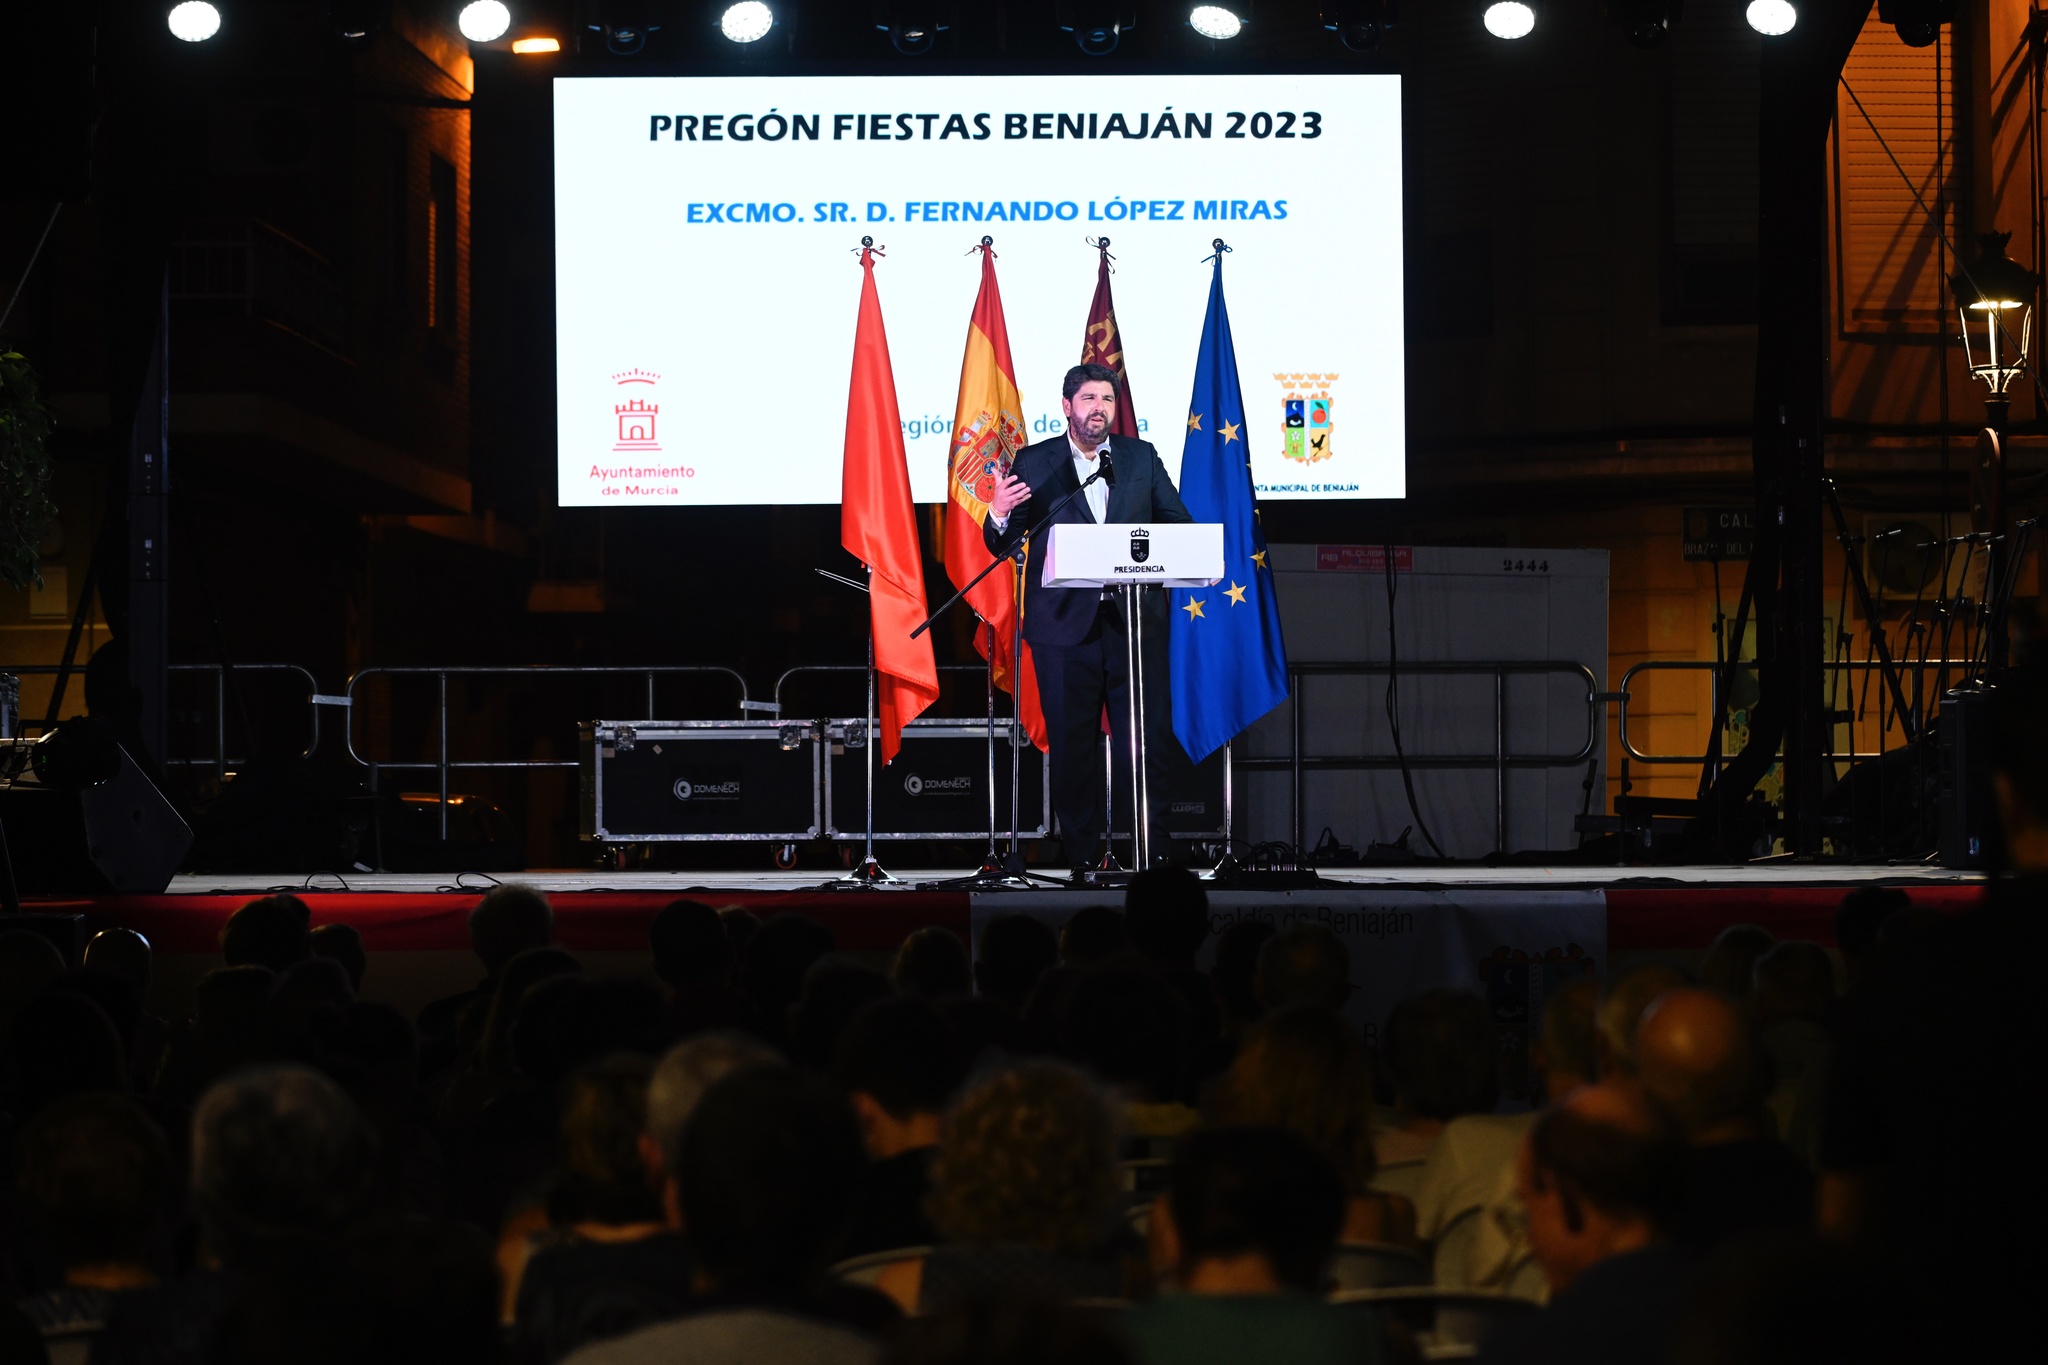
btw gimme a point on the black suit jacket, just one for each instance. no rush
(1143, 492)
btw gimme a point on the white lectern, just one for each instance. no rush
(1130, 556)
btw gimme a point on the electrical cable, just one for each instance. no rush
(1393, 705)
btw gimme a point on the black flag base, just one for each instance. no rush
(870, 873)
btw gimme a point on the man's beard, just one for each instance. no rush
(1095, 427)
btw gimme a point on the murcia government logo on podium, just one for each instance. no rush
(1141, 545)
(1306, 433)
(635, 413)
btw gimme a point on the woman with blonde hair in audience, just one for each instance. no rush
(1304, 1070)
(1024, 1196)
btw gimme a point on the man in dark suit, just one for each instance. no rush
(1077, 634)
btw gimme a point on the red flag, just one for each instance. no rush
(879, 527)
(988, 430)
(1102, 345)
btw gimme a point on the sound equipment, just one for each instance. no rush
(938, 786)
(647, 781)
(1968, 806)
(117, 834)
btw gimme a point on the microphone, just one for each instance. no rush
(1107, 470)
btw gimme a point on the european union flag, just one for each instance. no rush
(1229, 662)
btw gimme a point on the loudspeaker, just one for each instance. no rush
(1970, 832)
(117, 835)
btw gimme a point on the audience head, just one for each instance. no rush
(60, 1044)
(116, 996)
(778, 957)
(1442, 1052)
(274, 932)
(771, 1159)
(834, 991)
(1166, 915)
(510, 919)
(569, 1020)
(741, 924)
(381, 1041)
(1859, 918)
(279, 1155)
(898, 1061)
(1697, 1056)
(94, 1175)
(681, 1078)
(1015, 950)
(1795, 980)
(123, 953)
(1599, 1175)
(1304, 964)
(1621, 1008)
(1257, 1208)
(342, 943)
(230, 1025)
(1129, 1027)
(1028, 1158)
(604, 1172)
(516, 978)
(1304, 1070)
(1092, 936)
(1567, 1049)
(29, 965)
(1730, 964)
(932, 965)
(689, 944)
(307, 1002)
(1233, 977)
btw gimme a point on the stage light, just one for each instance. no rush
(1359, 24)
(1097, 25)
(913, 26)
(1917, 22)
(1509, 19)
(1647, 22)
(1772, 18)
(484, 21)
(193, 21)
(746, 22)
(531, 46)
(1214, 21)
(625, 24)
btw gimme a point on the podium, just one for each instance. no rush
(1131, 556)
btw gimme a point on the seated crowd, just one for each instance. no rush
(1075, 1144)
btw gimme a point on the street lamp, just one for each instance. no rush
(1995, 295)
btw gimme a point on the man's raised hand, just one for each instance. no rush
(1011, 493)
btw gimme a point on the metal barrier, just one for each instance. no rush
(1865, 666)
(221, 760)
(443, 764)
(1500, 760)
(978, 670)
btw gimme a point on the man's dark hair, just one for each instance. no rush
(932, 965)
(1619, 1172)
(1233, 978)
(1092, 936)
(1091, 373)
(273, 932)
(60, 1044)
(1861, 915)
(566, 1021)
(771, 1158)
(279, 1155)
(689, 943)
(342, 943)
(777, 958)
(1129, 1027)
(1443, 1051)
(903, 1054)
(1015, 950)
(1265, 1190)
(834, 991)
(510, 920)
(93, 1172)
(1304, 964)
(1166, 914)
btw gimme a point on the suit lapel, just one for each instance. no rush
(1119, 494)
(1065, 482)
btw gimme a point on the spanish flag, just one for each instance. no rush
(988, 431)
(878, 526)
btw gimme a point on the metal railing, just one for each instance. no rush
(1296, 763)
(979, 670)
(442, 764)
(221, 760)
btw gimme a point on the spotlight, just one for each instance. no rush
(625, 24)
(484, 21)
(1215, 21)
(746, 22)
(1772, 18)
(1917, 22)
(913, 26)
(193, 21)
(1647, 22)
(530, 46)
(1359, 24)
(1510, 19)
(1097, 25)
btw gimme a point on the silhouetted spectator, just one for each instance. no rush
(1792, 1007)
(127, 955)
(678, 1085)
(694, 959)
(1234, 977)
(229, 1029)
(834, 991)
(1441, 1050)
(1730, 964)
(1304, 964)
(772, 972)
(1129, 1027)
(509, 920)
(29, 965)
(1858, 920)
(274, 932)
(899, 1065)
(769, 1162)
(307, 1002)
(1566, 1053)
(1166, 916)
(342, 943)
(1013, 951)
(741, 924)
(1621, 1008)
(932, 965)
(59, 1044)
(1092, 936)
(1798, 1301)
